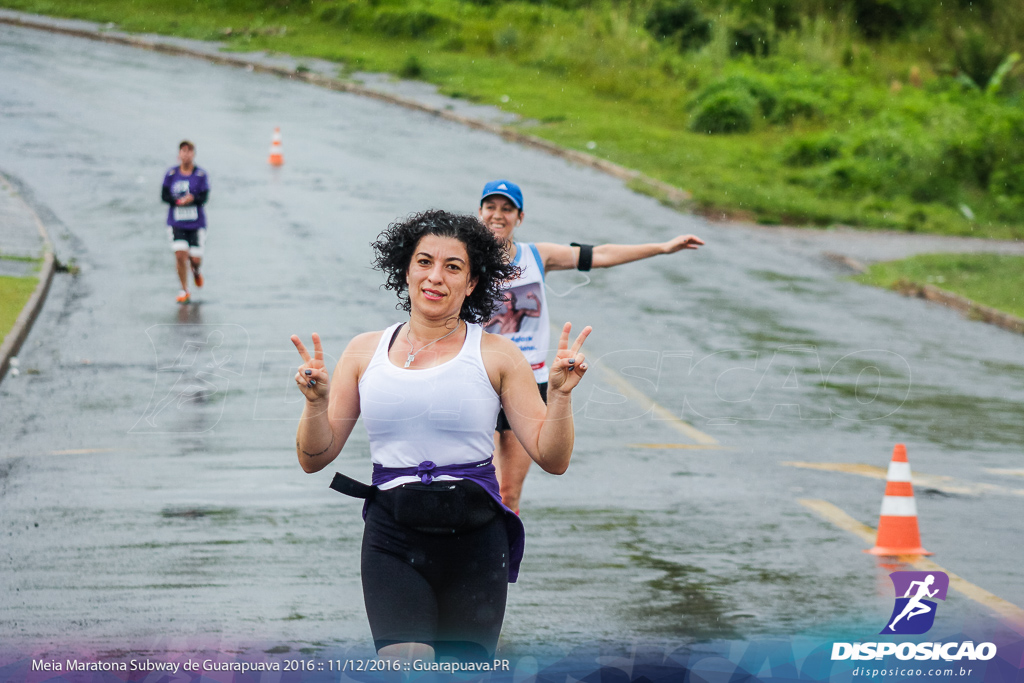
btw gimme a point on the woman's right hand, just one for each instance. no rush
(312, 376)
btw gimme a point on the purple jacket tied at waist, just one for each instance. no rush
(480, 473)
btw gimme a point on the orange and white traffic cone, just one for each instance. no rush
(276, 154)
(897, 525)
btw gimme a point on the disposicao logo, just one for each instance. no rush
(913, 612)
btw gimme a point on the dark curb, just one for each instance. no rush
(970, 309)
(14, 339)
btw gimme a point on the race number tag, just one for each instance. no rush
(186, 213)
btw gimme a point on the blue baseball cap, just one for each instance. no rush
(506, 189)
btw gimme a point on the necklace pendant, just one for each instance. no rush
(409, 359)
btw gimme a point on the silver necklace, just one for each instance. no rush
(412, 354)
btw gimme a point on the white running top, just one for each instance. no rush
(445, 414)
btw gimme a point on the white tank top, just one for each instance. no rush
(523, 315)
(445, 414)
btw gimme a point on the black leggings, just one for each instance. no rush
(445, 590)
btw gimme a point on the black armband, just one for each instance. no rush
(586, 259)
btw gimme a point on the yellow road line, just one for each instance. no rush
(687, 446)
(837, 516)
(1012, 472)
(663, 413)
(928, 481)
(1009, 613)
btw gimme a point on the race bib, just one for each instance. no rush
(186, 213)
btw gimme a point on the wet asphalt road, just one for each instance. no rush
(149, 494)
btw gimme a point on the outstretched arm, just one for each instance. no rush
(565, 257)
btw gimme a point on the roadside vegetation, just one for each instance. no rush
(896, 114)
(14, 294)
(905, 115)
(990, 279)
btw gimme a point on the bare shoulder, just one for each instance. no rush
(367, 341)
(359, 351)
(499, 351)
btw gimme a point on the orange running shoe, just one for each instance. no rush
(183, 297)
(198, 277)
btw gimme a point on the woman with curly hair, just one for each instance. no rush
(439, 548)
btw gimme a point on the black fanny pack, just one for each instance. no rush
(439, 508)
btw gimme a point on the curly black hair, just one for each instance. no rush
(488, 260)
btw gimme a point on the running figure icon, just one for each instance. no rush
(914, 606)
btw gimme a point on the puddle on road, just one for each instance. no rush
(198, 512)
(683, 601)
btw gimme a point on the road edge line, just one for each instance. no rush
(660, 411)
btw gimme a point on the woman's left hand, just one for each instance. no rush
(570, 364)
(682, 242)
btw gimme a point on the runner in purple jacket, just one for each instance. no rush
(186, 188)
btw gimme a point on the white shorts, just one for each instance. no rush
(191, 241)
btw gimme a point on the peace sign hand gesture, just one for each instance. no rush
(570, 364)
(312, 376)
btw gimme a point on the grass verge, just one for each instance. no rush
(14, 294)
(994, 280)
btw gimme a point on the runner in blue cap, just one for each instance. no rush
(523, 316)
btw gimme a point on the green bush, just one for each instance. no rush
(784, 15)
(506, 39)
(561, 4)
(342, 14)
(751, 37)
(886, 145)
(889, 18)
(798, 104)
(727, 111)
(411, 68)
(986, 149)
(408, 23)
(759, 89)
(1004, 138)
(812, 150)
(680, 22)
(977, 55)
(854, 176)
(262, 5)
